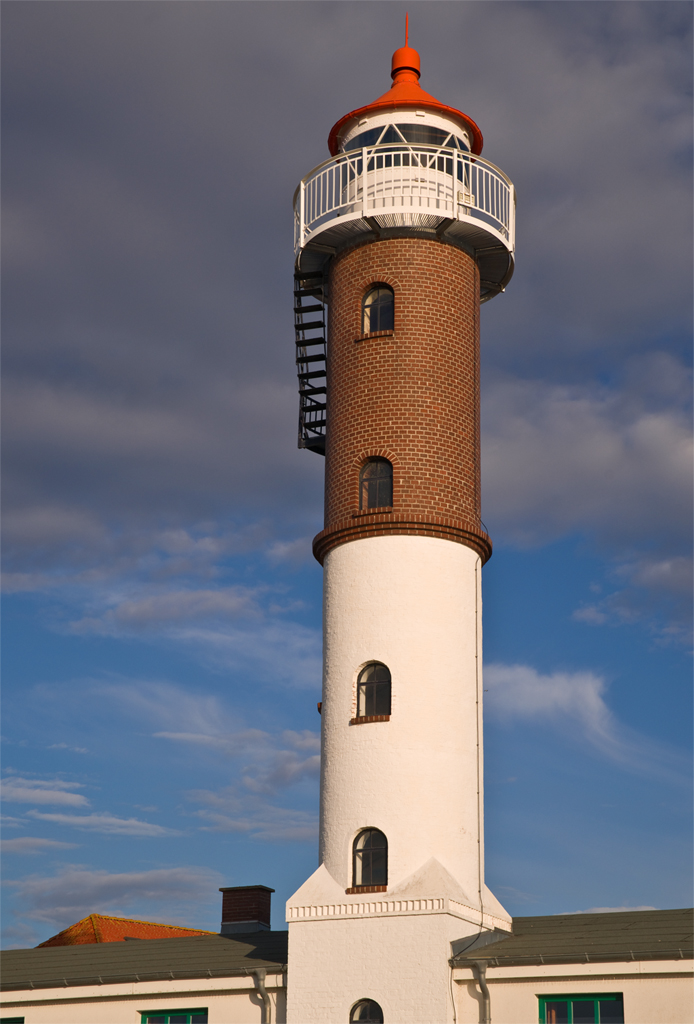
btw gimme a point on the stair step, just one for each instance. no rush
(310, 374)
(307, 292)
(307, 275)
(310, 326)
(310, 359)
(317, 308)
(309, 342)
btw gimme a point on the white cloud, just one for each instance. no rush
(665, 574)
(178, 713)
(272, 650)
(231, 811)
(519, 691)
(560, 459)
(575, 702)
(657, 590)
(293, 551)
(266, 761)
(66, 746)
(106, 823)
(49, 524)
(31, 844)
(163, 609)
(612, 465)
(283, 652)
(74, 892)
(304, 740)
(271, 767)
(42, 791)
(591, 614)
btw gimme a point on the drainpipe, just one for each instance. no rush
(259, 980)
(479, 968)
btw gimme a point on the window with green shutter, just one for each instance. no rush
(197, 1016)
(582, 1008)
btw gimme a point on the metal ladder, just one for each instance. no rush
(310, 329)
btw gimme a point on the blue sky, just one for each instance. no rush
(162, 609)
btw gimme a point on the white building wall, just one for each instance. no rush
(400, 962)
(655, 992)
(228, 1001)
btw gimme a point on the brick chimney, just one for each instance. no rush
(245, 908)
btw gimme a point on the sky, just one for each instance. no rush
(162, 610)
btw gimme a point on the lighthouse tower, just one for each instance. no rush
(399, 237)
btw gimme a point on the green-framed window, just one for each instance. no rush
(196, 1016)
(582, 1008)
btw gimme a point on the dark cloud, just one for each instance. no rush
(151, 153)
(75, 891)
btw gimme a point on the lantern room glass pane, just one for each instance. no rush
(414, 134)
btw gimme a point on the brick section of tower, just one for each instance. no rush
(411, 395)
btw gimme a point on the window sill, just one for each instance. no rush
(366, 888)
(362, 719)
(380, 510)
(374, 334)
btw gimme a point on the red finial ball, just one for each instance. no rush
(405, 59)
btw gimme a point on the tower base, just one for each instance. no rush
(391, 947)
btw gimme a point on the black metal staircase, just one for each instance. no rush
(310, 328)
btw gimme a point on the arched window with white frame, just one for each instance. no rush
(378, 309)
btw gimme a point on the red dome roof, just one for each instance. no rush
(406, 94)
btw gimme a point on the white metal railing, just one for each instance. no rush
(404, 180)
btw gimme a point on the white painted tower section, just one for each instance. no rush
(414, 604)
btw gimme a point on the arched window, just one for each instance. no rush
(376, 484)
(370, 858)
(373, 690)
(366, 1010)
(378, 309)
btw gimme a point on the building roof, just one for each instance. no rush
(588, 938)
(405, 94)
(99, 928)
(198, 956)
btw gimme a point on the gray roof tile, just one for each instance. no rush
(576, 938)
(197, 956)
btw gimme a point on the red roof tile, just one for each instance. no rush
(99, 928)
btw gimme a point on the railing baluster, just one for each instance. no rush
(364, 207)
(404, 178)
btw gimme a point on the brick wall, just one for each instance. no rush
(411, 396)
(246, 903)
